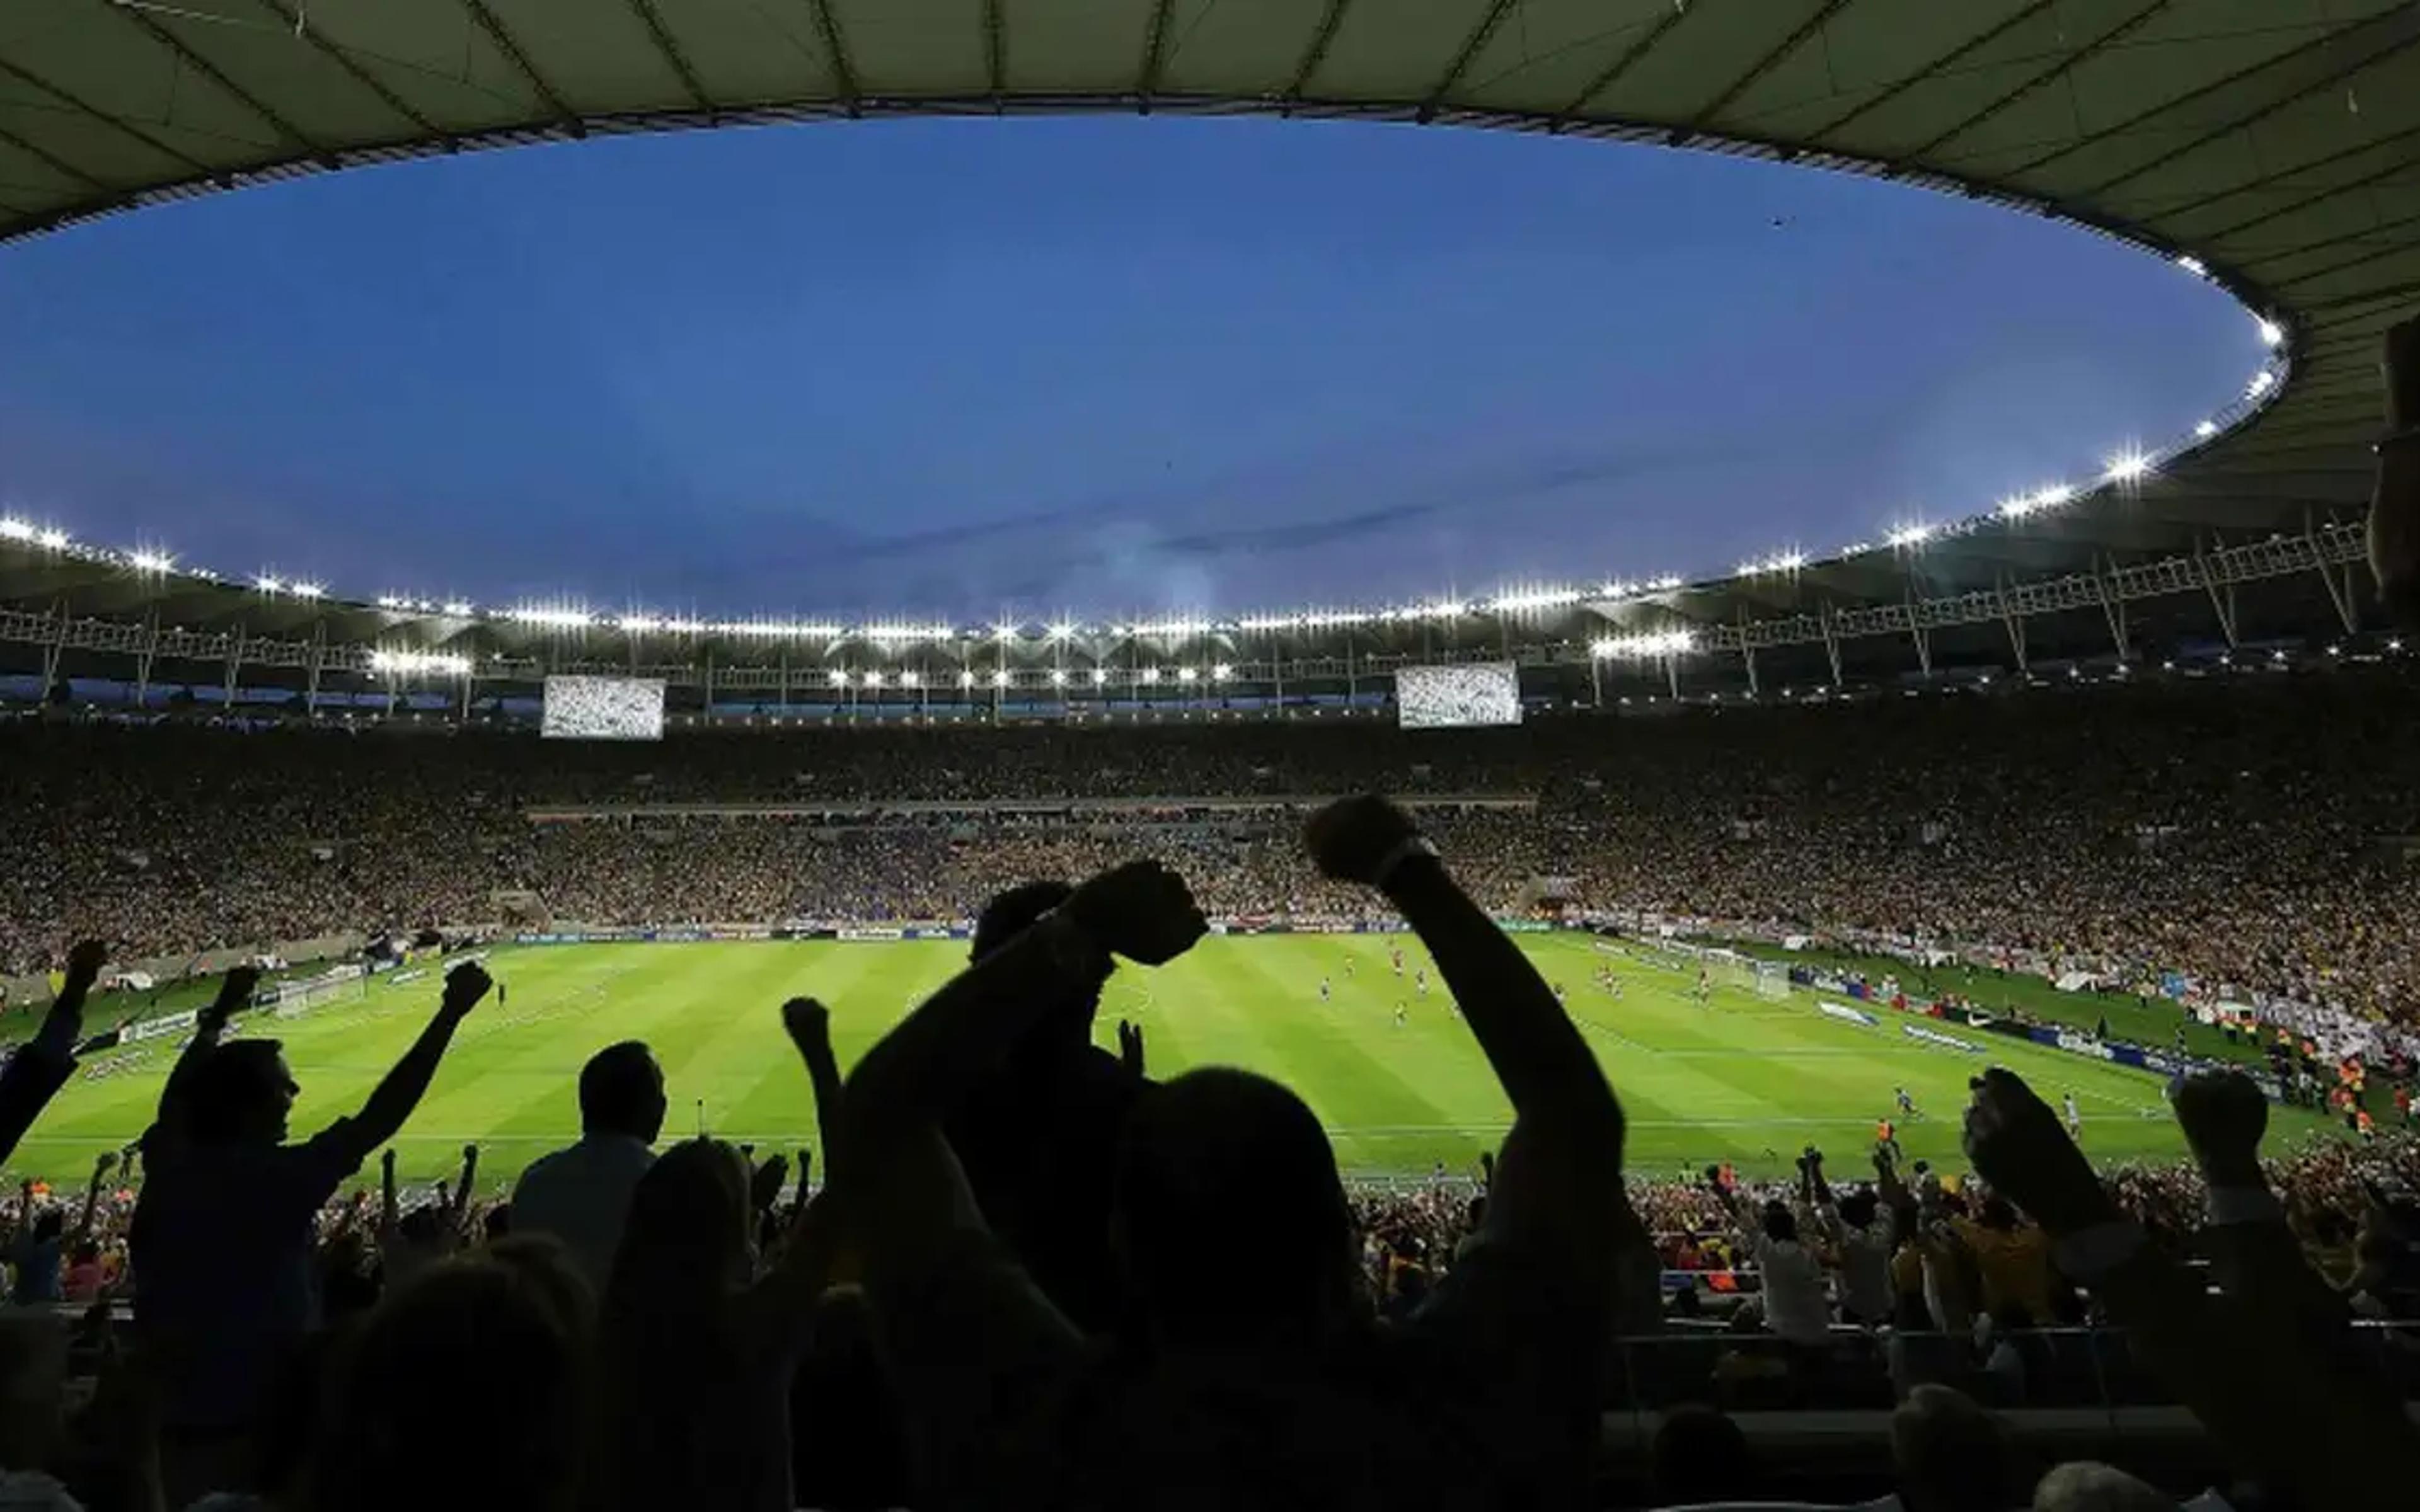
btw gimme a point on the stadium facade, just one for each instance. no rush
(2270, 147)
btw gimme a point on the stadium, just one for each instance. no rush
(2107, 785)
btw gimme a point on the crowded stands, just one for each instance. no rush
(2246, 833)
(1057, 1315)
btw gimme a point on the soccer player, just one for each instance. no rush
(1400, 1020)
(1420, 980)
(1323, 989)
(1350, 961)
(1559, 991)
(1397, 955)
(1705, 986)
(2074, 1117)
(1907, 1103)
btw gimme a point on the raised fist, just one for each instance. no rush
(2223, 1116)
(2019, 1146)
(807, 1022)
(235, 991)
(1140, 910)
(1129, 1047)
(465, 985)
(85, 961)
(1352, 839)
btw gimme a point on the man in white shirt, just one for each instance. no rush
(582, 1194)
(1797, 1306)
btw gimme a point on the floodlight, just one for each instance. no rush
(1149, 674)
(966, 679)
(2206, 429)
(873, 678)
(1100, 675)
(309, 589)
(2262, 383)
(1906, 535)
(1058, 677)
(458, 607)
(1186, 674)
(269, 585)
(1222, 671)
(2272, 334)
(839, 678)
(15, 530)
(53, 540)
(2193, 265)
(999, 678)
(909, 679)
(2128, 466)
(150, 561)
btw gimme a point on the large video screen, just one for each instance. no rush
(604, 708)
(1451, 697)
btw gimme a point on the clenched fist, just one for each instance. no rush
(1140, 910)
(1352, 840)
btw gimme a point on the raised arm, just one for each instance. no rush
(1558, 1189)
(460, 1207)
(390, 1206)
(235, 991)
(970, 1339)
(808, 1026)
(2293, 1420)
(391, 1103)
(101, 1165)
(34, 1074)
(1536, 1052)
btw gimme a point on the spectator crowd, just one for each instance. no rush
(1031, 1275)
(2250, 836)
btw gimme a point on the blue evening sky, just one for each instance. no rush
(1101, 366)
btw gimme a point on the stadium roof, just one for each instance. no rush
(2270, 145)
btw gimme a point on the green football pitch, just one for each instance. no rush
(1740, 1078)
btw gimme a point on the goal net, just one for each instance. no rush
(295, 996)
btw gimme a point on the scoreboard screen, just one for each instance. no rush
(603, 708)
(1454, 697)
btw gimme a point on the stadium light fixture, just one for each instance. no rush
(2206, 429)
(2272, 334)
(1646, 643)
(150, 561)
(1522, 603)
(2128, 466)
(13, 529)
(1222, 671)
(309, 589)
(419, 663)
(999, 678)
(966, 679)
(53, 540)
(1904, 536)
(911, 679)
(569, 618)
(1058, 677)
(2262, 383)
(1100, 675)
(838, 677)
(390, 601)
(458, 607)
(267, 584)
(1004, 632)
(1148, 675)
(1186, 674)
(873, 678)
(2193, 265)
(1063, 631)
